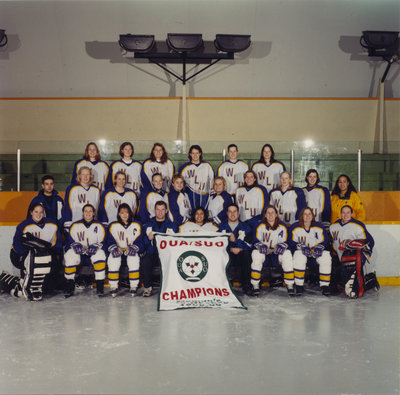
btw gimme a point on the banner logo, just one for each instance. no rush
(192, 266)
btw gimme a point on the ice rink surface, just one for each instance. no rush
(279, 345)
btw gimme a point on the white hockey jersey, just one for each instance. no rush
(193, 227)
(233, 174)
(268, 176)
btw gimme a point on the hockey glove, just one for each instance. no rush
(77, 247)
(318, 250)
(133, 250)
(262, 248)
(92, 249)
(114, 251)
(280, 248)
(306, 250)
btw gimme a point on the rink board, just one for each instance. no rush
(385, 258)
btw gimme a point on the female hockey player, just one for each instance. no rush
(344, 193)
(113, 197)
(287, 199)
(178, 201)
(251, 198)
(157, 163)
(129, 166)
(78, 195)
(85, 241)
(125, 241)
(219, 201)
(35, 240)
(268, 169)
(233, 170)
(92, 160)
(317, 197)
(150, 196)
(270, 239)
(199, 223)
(309, 243)
(352, 245)
(198, 176)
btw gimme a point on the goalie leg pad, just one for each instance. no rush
(352, 275)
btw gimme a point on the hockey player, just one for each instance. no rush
(78, 195)
(270, 238)
(199, 223)
(344, 193)
(125, 241)
(287, 199)
(178, 201)
(35, 240)
(49, 198)
(198, 176)
(92, 160)
(353, 245)
(129, 166)
(239, 246)
(252, 198)
(233, 170)
(113, 197)
(157, 163)
(268, 169)
(219, 201)
(150, 196)
(86, 239)
(160, 223)
(309, 243)
(317, 197)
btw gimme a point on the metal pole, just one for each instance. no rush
(184, 114)
(359, 170)
(18, 170)
(292, 163)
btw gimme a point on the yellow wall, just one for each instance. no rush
(222, 119)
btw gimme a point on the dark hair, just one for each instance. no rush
(252, 172)
(86, 154)
(161, 203)
(32, 207)
(89, 205)
(264, 219)
(272, 153)
(164, 156)
(156, 174)
(123, 145)
(347, 206)
(301, 216)
(312, 171)
(47, 177)
(126, 206)
(203, 210)
(351, 188)
(233, 146)
(232, 205)
(198, 149)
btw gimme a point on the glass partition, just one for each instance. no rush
(377, 171)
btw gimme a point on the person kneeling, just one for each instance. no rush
(85, 240)
(353, 245)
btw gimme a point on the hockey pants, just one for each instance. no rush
(324, 263)
(73, 260)
(114, 265)
(285, 260)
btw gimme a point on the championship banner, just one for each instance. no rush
(193, 272)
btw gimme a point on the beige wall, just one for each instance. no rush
(208, 119)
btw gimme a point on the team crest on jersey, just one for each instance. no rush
(192, 266)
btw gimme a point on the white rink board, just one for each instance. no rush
(385, 258)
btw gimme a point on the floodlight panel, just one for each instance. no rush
(184, 42)
(232, 42)
(136, 42)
